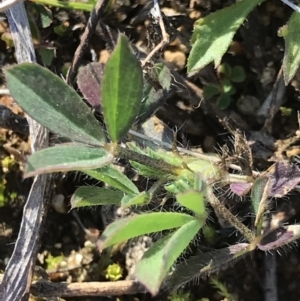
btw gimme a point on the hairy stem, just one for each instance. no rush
(158, 164)
(228, 216)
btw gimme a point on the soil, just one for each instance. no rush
(68, 250)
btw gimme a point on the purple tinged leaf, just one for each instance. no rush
(279, 237)
(241, 189)
(89, 82)
(283, 179)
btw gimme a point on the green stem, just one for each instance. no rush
(67, 4)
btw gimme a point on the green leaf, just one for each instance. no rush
(113, 177)
(202, 265)
(224, 101)
(183, 184)
(225, 69)
(238, 74)
(45, 14)
(133, 226)
(292, 49)
(257, 192)
(157, 261)
(207, 171)
(259, 197)
(158, 154)
(51, 102)
(227, 86)
(62, 29)
(122, 90)
(213, 34)
(47, 55)
(94, 196)
(210, 91)
(141, 199)
(148, 171)
(65, 158)
(194, 201)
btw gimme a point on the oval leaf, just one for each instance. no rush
(283, 178)
(51, 102)
(241, 189)
(238, 74)
(291, 58)
(122, 90)
(194, 201)
(257, 192)
(94, 196)
(157, 261)
(224, 101)
(65, 158)
(205, 264)
(137, 225)
(141, 199)
(279, 237)
(113, 177)
(213, 34)
(89, 82)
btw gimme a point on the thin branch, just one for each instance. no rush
(168, 146)
(273, 102)
(43, 288)
(96, 13)
(155, 11)
(118, 288)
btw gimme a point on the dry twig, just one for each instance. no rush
(18, 274)
(155, 11)
(43, 288)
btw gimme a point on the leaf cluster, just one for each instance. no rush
(123, 98)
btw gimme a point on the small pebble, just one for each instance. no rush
(248, 105)
(58, 203)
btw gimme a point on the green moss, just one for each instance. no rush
(114, 272)
(53, 261)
